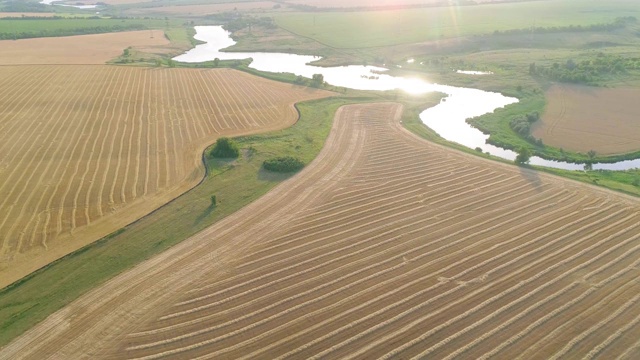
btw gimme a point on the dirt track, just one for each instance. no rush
(385, 246)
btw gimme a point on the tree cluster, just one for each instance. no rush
(225, 148)
(237, 22)
(521, 125)
(586, 71)
(317, 80)
(284, 164)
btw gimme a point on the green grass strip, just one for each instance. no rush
(235, 184)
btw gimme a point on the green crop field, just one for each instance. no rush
(30, 28)
(383, 28)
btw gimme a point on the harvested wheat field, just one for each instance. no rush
(386, 246)
(87, 149)
(582, 118)
(81, 49)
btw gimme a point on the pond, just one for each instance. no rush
(447, 118)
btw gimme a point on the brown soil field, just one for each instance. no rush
(204, 9)
(18, 14)
(386, 246)
(81, 49)
(88, 149)
(582, 118)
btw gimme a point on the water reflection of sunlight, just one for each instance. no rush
(447, 119)
(414, 86)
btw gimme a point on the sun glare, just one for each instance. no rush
(414, 86)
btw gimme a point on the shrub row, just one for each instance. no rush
(283, 164)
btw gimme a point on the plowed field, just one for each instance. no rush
(582, 118)
(88, 149)
(386, 246)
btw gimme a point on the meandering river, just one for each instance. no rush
(447, 118)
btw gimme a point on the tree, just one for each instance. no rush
(317, 80)
(171, 63)
(523, 156)
(214, 201)
(216, 61)
(591, 154)
(225, 148)
(300, 80)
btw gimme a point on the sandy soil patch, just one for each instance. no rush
(581, 118)
(386, 246)
(82, 49)
(88, 149)
(205, 9)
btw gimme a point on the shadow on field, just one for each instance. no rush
(204, 214)
(532, 177)
(264, 175)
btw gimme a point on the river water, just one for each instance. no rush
(447, 118)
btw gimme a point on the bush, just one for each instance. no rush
(523, 156)
(283, 164)
(225, 148)
(521, 125)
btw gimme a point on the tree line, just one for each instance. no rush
(618, 23)
(586, 71)
(69, 32)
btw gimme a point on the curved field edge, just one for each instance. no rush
(235, 184)
(619, 181)
(496, 125)
(112, 160)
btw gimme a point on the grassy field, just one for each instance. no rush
(235, 184)
(385, 28)
(27, 28)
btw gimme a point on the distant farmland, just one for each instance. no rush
(392, 27)
(88, 149)
(94, 49)
(386, 246)
(581, 118)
